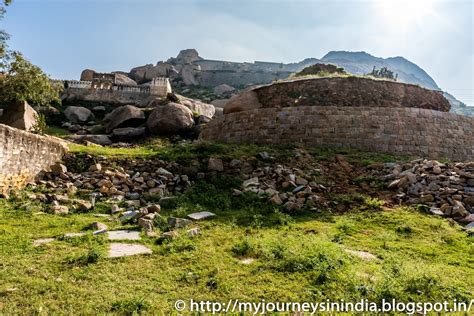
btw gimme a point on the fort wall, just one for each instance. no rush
(398, 130)
(23, 155)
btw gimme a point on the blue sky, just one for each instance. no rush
(65, 36)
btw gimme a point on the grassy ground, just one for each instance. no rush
(296, 257)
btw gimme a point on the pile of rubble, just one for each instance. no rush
(291, 187)
(133, 186)
(447, 188)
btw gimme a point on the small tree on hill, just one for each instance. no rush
(383, 72)
(20, 80)
(23, 81)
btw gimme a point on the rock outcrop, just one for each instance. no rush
(198, 107)
(170, 118)
(78, 114)
(87, 74)
(247, 100)
(121, 79)
(20, 115)
(124, 116)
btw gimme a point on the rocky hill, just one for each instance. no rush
(209, 80)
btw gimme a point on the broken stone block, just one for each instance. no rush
(121, 250)
(193, 232)
(177, 222)
(124, 235)
(42, 241)
(201, 215)
(145, 224)
(98, 226)
(215, 164)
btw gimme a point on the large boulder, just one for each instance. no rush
(172, 118)
(78, 114)
(124, 116)
(219, 103)
(247, 100)
(20, 115)
(87, 74)
(188, 74)
(148, 72)
(126, 134)
(187, 56)
(124, 80)
(198, 107)
(223, 89)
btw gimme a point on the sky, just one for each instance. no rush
(64, 37)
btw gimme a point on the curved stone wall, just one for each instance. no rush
(410, 131)
(23, 155)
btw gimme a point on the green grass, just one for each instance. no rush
(297, 257)
(56, 131)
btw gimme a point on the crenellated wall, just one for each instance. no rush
(398, 130)
(23, 155)
(115, 93)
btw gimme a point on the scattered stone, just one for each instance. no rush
(128, 215)
(60, 209)
(74, 235)
(145, 224)
(124, 235)
(177, 222)
(42, 241)
(215, 164)
(170, 235)
(98, 226)
(84, 206)
(155, 208)
(95, 167)
(247, 261)
(193, 232)
(115, 209)
(436, 211)
(58, 169)
(362, 254)
(122, 250)
(201, 215)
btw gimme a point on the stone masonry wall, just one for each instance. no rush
(410, 131)
(105, 95)
(23, 155)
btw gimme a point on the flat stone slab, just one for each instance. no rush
(121, 250)
(201, 215)
(42, 241)
(124, 235)
(73, 235)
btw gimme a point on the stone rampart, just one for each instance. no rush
(118, 95)
(23, 155)
(397, 130)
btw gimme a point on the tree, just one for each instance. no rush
(23, 81)
(20, 80)
(3, 35)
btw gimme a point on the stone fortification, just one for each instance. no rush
(347, 113)
(23, 155)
